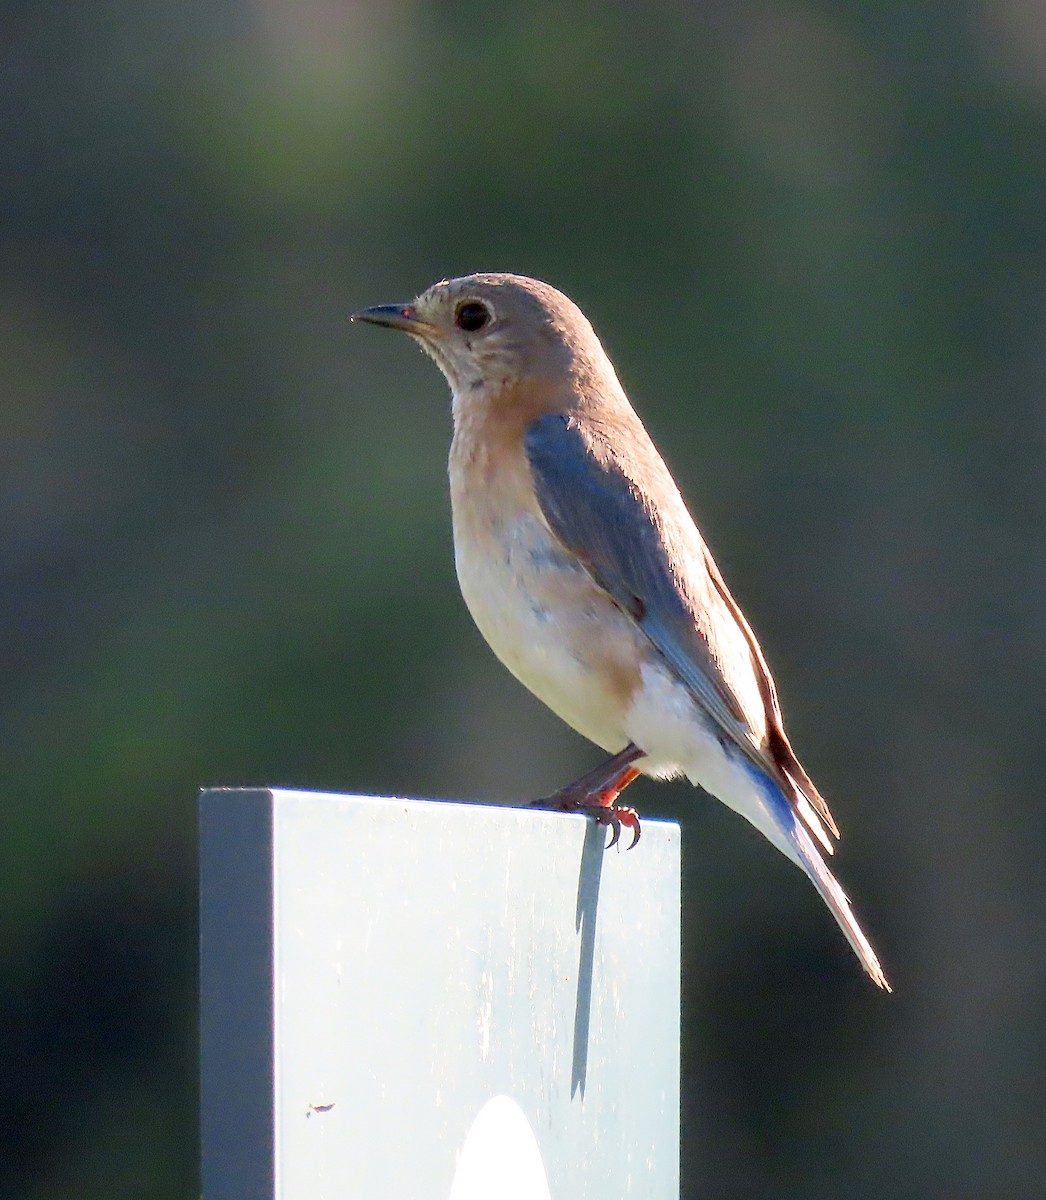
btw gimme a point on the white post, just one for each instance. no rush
(407, 1000)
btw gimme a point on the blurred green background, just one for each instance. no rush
(813, 238)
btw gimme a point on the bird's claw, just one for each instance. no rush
(596, 794)
(601, 808)
(617, 816)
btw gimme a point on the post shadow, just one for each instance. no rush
(585, 920)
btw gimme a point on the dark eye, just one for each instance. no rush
(471, 315)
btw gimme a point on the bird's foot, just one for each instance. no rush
(616, 816)
(595, 795)
(600, 804)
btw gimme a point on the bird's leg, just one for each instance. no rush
(603, 784)
(595, 794)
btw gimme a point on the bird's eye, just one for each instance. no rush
(471, 315)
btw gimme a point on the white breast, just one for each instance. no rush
(544, 618)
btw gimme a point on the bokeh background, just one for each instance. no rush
(813, 236)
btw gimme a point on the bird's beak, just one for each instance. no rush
(396, 316)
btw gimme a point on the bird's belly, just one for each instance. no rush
(552, 627)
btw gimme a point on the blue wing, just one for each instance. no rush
(614, 523)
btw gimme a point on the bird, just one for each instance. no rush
(583, 569)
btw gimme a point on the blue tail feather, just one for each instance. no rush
(785, 829)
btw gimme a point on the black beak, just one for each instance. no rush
(395, 316)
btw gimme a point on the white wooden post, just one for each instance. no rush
(408, 1000)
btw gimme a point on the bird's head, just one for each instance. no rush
(491, 331)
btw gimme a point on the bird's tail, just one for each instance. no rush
(833, 895)
(792, 837)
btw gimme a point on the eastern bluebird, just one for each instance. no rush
(585, 572)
